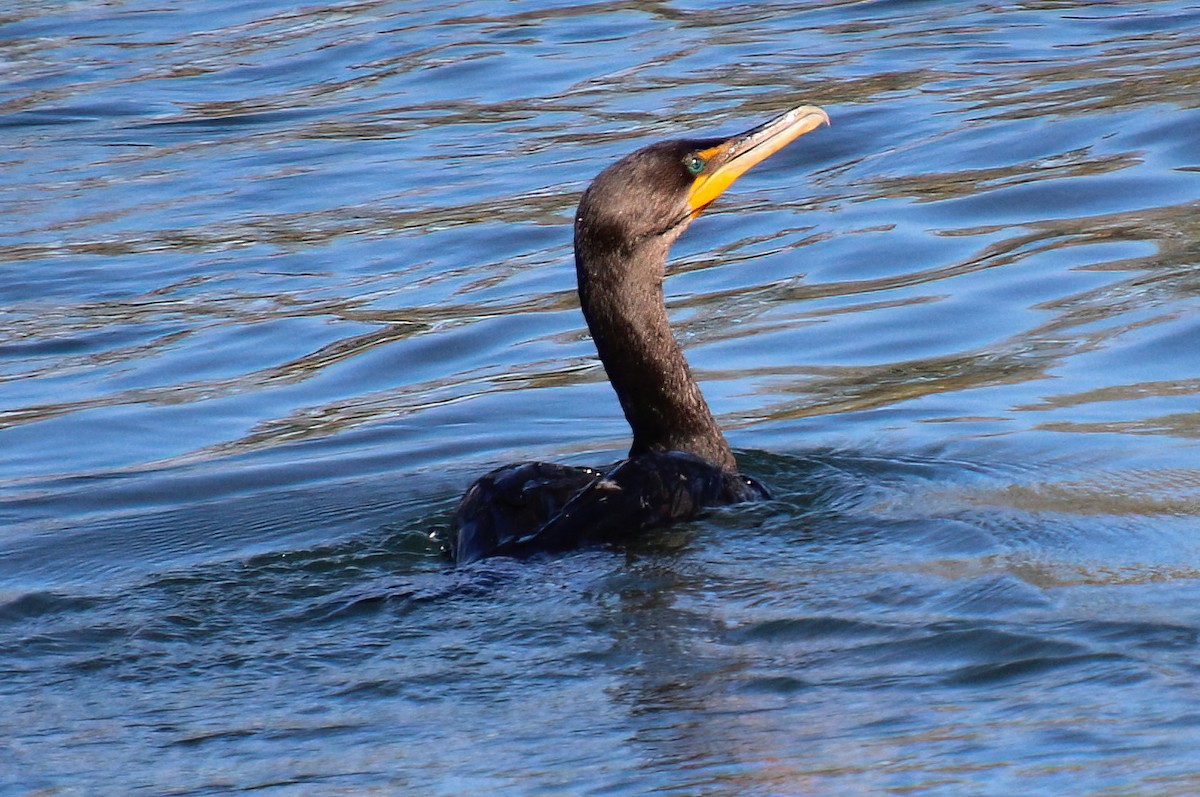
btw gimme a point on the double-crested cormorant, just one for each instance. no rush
(679, 462)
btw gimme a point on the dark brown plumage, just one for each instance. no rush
(679, 462)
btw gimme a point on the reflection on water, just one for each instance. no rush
(276, 282)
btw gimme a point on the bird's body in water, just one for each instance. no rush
(679, 462)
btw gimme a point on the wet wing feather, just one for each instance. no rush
(510, 501)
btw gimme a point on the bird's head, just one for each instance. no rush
(651, 195)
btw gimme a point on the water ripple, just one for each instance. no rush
(276, 282)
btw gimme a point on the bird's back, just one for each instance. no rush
(522, 509)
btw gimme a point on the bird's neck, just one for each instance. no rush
(622, 299)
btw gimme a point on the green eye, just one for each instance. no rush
(694, 163)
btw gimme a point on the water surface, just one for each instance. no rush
(277, 282)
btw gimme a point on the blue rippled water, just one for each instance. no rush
(277, 281)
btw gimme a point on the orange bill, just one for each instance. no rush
(731, 159)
